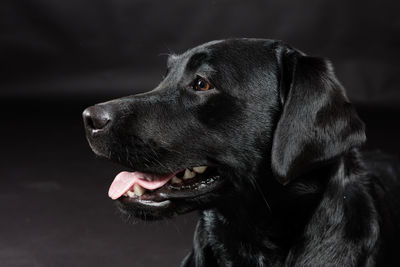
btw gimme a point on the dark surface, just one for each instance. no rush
(54, 193)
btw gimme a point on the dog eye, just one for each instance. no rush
(200, 84)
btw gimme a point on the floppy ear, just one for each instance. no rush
(317, 123)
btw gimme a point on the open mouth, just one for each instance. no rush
(145, 187)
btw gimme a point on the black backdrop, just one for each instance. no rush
(57, 57)
(115, 47)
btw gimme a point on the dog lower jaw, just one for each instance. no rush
(149, 210)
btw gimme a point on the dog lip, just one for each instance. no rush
(151, 203)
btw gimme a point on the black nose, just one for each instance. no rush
(96, 118)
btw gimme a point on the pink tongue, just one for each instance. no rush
(125, 180)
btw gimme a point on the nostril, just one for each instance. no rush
(98, 122)
(92, 125)
(96, 118)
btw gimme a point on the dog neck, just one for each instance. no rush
(260, 229)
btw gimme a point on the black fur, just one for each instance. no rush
(285, 140)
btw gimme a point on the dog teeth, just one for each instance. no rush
(200, 169)
(130, 194)
(136, 190)
(175, 180)
(189, 174)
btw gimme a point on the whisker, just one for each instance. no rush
(258, 187)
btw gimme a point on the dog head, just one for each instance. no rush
(227, 114)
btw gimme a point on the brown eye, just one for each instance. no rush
(201, 84)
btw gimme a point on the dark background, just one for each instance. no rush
(57, 57)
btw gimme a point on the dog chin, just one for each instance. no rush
(132, 213)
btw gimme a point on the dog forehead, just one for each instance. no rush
(193, 54)
(221, 58)
(203, 48)
(237, 50)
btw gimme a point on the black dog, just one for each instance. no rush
(263, 140)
